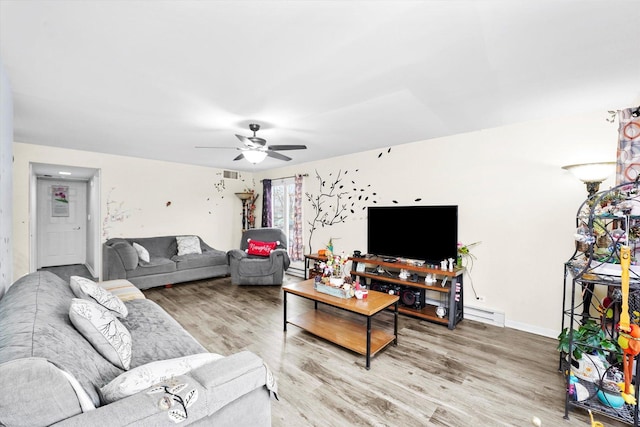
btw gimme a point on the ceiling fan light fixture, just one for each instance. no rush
(255, 156)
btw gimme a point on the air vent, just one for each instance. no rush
(230, 174)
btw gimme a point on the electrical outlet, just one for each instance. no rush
(481, 298)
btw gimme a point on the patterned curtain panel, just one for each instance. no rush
(628, 167)
(267, 213)
(296, 248)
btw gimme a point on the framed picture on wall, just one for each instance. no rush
(59, 200)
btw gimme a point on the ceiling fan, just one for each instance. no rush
(256, 149)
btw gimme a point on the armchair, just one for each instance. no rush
(249, 269)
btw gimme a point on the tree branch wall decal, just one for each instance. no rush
(340, 197)
(328, 205)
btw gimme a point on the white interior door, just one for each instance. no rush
(62, 222)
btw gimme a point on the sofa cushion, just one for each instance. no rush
(88, 289)
(143, 377)
(155, 266)
(208, 258)
(143, 254)
(254, 265)
(105, 333)
(156, 335)
(127, 254)
(158, 247)
(29, 382)
(188, 245)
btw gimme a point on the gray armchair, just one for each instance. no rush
(259, 270)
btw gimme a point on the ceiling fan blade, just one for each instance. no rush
(241, 156)
(287, 147)
(252, 141)
(226, 148)
(243, 139)
(278, 156)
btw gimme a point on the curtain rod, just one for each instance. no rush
(285, 177)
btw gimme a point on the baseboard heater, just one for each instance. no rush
(294, 271)
(484, 315)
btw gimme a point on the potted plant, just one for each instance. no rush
(588, 338)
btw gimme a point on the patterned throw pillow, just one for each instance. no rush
(106, 334)
(88, 289)
(143, 377)
(188, 245)
(257, 247)
(143, 254)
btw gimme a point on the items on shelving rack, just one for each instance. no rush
(601, 306)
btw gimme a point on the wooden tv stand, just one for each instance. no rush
(451, 292)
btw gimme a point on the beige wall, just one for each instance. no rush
(508, 183)
(512, 195)
(134, 196)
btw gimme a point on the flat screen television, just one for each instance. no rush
(425, 233)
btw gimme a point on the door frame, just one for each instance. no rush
(93, 179)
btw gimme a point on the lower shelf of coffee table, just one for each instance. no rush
(343, 332)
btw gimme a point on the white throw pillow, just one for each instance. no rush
(88, 289)
(188, 245)
(143, 254)
(106, 334)
(145, 376)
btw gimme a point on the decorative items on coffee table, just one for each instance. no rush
(333, 280)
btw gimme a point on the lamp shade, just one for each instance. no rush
(255, 156)
(592, 172)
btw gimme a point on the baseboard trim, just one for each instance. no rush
(93, 273)
(525, 327)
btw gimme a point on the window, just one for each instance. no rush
(286, 214)
(283, 201)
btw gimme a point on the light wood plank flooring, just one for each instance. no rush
(475, 375)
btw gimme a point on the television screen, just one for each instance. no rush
(425, 233)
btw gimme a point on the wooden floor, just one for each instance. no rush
(475, 375)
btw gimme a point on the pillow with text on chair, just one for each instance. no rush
(257, 247)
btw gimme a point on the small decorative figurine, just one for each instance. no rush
(443, 264)
(451, 264)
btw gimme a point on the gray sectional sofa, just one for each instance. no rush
(50, 374)
(165, 266)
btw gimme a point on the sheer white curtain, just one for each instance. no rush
(296, 248)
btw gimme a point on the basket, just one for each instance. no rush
(333, 291)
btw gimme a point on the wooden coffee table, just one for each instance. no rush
(346, 333)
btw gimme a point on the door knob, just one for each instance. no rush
(76, 228)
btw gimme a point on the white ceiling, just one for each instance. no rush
(154, 79)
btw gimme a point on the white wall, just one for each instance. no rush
(508, 183)
(134, 197)
(512, 195)
(6, 179)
